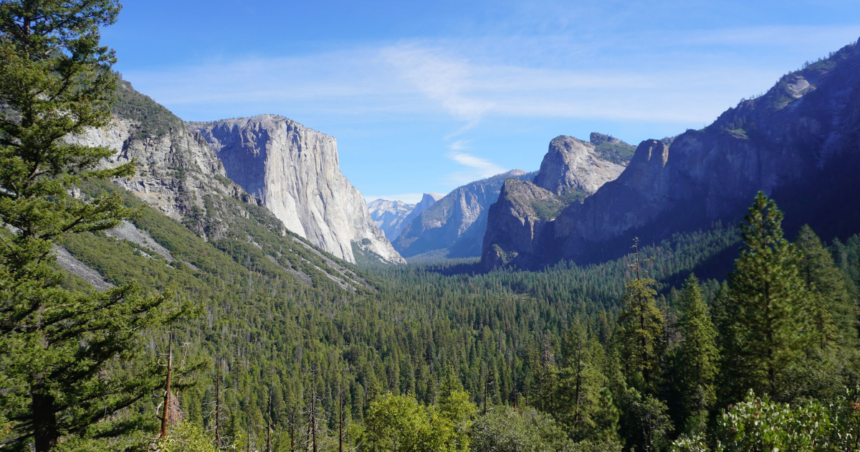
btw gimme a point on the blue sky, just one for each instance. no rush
(427, 96)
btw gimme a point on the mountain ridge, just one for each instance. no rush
(797, 143)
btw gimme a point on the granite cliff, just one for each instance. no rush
(520, 225)
(454, 226)
(797, 143)
(180, 176)
(295, 171)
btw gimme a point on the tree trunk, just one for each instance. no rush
(166, 412)
(45, 431)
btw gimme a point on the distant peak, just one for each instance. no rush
(434, 196)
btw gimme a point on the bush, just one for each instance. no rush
(760, 424)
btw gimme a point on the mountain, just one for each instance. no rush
(296, 172)
(520, 224)
(797, 143)
(388, 216)
(191, 212)
(454, 226)
(391, 216)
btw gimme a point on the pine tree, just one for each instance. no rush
(698, 355)
(641, 333)
(579, 383)
(765, 307)
(833, 313)
(58, 348)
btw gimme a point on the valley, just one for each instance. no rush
(201, 286)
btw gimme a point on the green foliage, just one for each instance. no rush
(507, 430)
(832, 311)
(152, 120)
(186, 437)
(68, 361)
(400, 423)
(766, 306)
(619, 153)
(758, 423)
(697, 355)
(641, 336)
(548, 209)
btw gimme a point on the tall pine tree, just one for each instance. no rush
(698, 356)
(764, 312)
(641, 333)
(832, 311)
(58, 348)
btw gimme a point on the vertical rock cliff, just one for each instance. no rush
(520, 224)
(296, 172)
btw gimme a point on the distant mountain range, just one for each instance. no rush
(454, 226)
(391, 216)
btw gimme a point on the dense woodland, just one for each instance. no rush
(223, 349)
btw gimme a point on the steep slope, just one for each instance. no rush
(797, 143)
(295, 171)
(454, 226)
(520, 224)
(180, 176)
(391, 216)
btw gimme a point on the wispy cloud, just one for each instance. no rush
(478, 168)
(459, 145)
(471, 79)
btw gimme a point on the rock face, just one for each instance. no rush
(572, 164)
(392, 216)
(516, 231)
(520, 224)
(176, 168)
(454, 226)
(295, 171)
(797, 143)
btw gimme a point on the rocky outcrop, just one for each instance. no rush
(454, 226)
(176, 168)
(520, 224)
(392, 216)
(518, 231)
(797, 143)
(572, 164)
(296, 172)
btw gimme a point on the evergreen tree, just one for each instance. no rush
(579, 383)
(641, 334)
(545, 379)
(606, 417)
(698, 356)
(765, 308)
(832, 311)
(58, 349)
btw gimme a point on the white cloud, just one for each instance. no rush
(467, 80)
(478, 168)
(459, 145)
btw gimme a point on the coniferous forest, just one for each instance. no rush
(740, 337)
